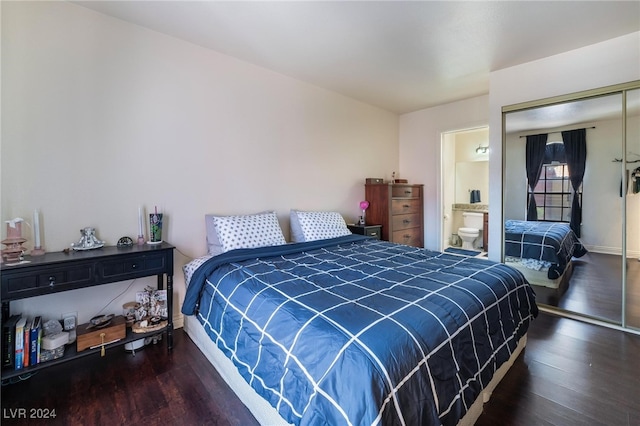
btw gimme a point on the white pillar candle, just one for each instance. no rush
(140, 222)
(36, 228)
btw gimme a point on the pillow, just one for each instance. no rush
(214, 247)
(297, 236)
(311, 226)
(226, 233)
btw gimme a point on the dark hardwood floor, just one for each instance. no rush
(595, 289)
(571, 373)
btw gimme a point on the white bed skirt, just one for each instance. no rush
(540, 277)
(268, 416)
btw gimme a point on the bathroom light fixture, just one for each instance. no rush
(482, 149)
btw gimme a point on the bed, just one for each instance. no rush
(542, 251)
(354, 330)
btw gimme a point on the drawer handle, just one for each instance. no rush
(407, 236)
(406, 206)
(373, 234)
(134, 266)
(52, 281)
(406, 221)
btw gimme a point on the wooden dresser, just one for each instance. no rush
(399, 209)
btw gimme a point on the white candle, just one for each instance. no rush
(36, 228)
(140, 234)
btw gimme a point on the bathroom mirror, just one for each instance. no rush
(472, 175)
(568, 170)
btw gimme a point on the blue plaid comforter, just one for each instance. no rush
(354, 330)
(553, 242)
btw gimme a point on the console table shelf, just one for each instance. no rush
(58, 271)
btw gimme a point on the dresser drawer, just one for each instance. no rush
(26, 284)
(132, 267)
(409, 237)
(405, 221)
(400, 206)
(406, 191)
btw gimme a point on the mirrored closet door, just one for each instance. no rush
(632, 271)
(571, 211)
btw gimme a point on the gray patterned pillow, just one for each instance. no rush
(214, 246)
(248, 231)
(319, 225)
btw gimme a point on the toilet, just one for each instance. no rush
(473, 223)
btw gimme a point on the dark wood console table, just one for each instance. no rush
(58, 271)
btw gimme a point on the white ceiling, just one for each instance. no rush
(583, 111)
(400, 56)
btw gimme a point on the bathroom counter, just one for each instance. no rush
(480, 208)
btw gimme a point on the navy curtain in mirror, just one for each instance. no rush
(535, 150)
(575, 148)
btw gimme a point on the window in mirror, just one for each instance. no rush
(553, 193)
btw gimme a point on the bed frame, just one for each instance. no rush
(267, 415)
(539, 278)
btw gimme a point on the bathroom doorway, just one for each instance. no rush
(464, 180)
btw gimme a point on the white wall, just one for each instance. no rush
(100, 116)
(472, 168)
(420, 156)
(611, 62)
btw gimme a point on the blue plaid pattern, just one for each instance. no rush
(552, 242)
(355, 330)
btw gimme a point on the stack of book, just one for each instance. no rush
(21, 341)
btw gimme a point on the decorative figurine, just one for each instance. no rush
(125, 242)
(88, 241)
(14, 250)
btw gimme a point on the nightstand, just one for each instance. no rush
(369, 230)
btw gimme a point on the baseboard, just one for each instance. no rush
(612, 250)
(178, 321)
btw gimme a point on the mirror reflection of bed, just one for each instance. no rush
(594, 283)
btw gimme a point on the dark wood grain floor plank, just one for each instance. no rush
(571, 373)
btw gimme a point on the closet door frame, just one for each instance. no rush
(622, 89)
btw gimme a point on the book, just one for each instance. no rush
(27, 338)
(8, 340)
(34, 340)
(19, 343)
(40, 334)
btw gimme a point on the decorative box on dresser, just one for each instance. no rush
(399, 208)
